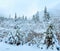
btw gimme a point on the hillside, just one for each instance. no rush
(23, 32)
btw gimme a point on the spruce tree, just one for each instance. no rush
(25, 17)
(36, 17)
(17, 37)
(49, 36)
(15, 17)
(46, 15)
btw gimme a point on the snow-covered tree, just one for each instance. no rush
(33, 18)
(25, 17)
(49, 36)
(10, 39)
(46, 15)
(36, 17)
(15, 17)
(17, 37)
(50, 39)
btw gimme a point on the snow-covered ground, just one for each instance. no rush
(7, 47)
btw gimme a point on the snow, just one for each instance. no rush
(10, 26)
(7, 47)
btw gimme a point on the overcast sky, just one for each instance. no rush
(25, 7)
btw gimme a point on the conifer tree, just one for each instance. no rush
(46, 15)
(17, 37)
(51, 39)
(36, 17)
(49, 36)
(15, 17)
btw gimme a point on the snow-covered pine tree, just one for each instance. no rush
(36, 17)
(11, 38)
(15, 17)
(25, 17)
(33, 18)
(17, 37)
(49, 36)
(50, 39)
(46, 15)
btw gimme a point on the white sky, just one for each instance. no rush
(25, 7)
